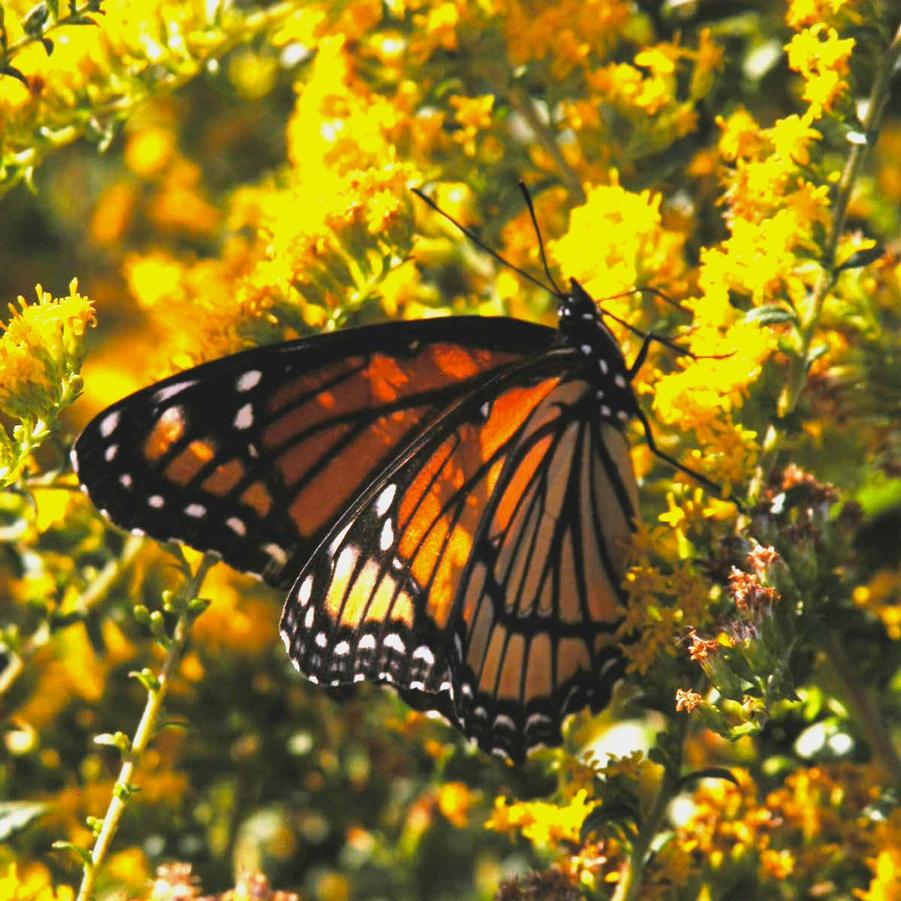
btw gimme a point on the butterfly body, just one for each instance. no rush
(450, 501)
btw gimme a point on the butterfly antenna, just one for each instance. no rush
(480, 243)
(547, 269)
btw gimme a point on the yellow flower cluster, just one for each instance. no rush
(814, 828)
(41, 352)
(33, 884)
(543, 823)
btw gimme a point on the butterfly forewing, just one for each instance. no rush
(254, 456)
(480, 574)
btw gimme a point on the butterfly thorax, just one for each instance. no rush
(582, 328)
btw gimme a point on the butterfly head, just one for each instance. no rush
(582, 327)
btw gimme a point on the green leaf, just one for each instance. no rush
(119, 740)
(610, 814)
(862, 258)
(81, 853)
(15, 73)
(34, 22)
(147, 678)
(197, 607)
(16, 815)
(713, 772)
(125, 791)
(770, 314)
(815, 354)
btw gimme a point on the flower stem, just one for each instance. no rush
(629, 886)
(155, 698)
(867, 717)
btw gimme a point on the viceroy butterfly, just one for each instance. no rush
(449, 502)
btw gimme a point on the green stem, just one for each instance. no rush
(863, 711)
(629, 886)
(143, 734)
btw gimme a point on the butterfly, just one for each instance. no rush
(448, 502)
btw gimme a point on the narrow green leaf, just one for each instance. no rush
(713, 772)
(147, 678)
(81, 853)
(15, 73)
(862, 258)
(610, 813)
(770, 314)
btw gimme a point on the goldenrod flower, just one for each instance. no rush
(821, 58)
(41, 352)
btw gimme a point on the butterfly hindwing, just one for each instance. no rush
(254, 456)
(480, 574)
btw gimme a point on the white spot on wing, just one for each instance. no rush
(109, 423)
(305, 590)
(125, 480)
(156, 501)
(335, 543)
(383, 501)
(236, 525)
(195, 510)
(345, 563)
(308, 619)
(393, 642)
(244, 417)
(321, 639)
(161, 396)
(425, 654)
(366, 643)
(619, 381)
(248, 380)
(110, 453)
(386, 539)
(276, 552)
(342, 649)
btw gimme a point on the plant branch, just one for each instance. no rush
(629, 886)
(156, 696)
